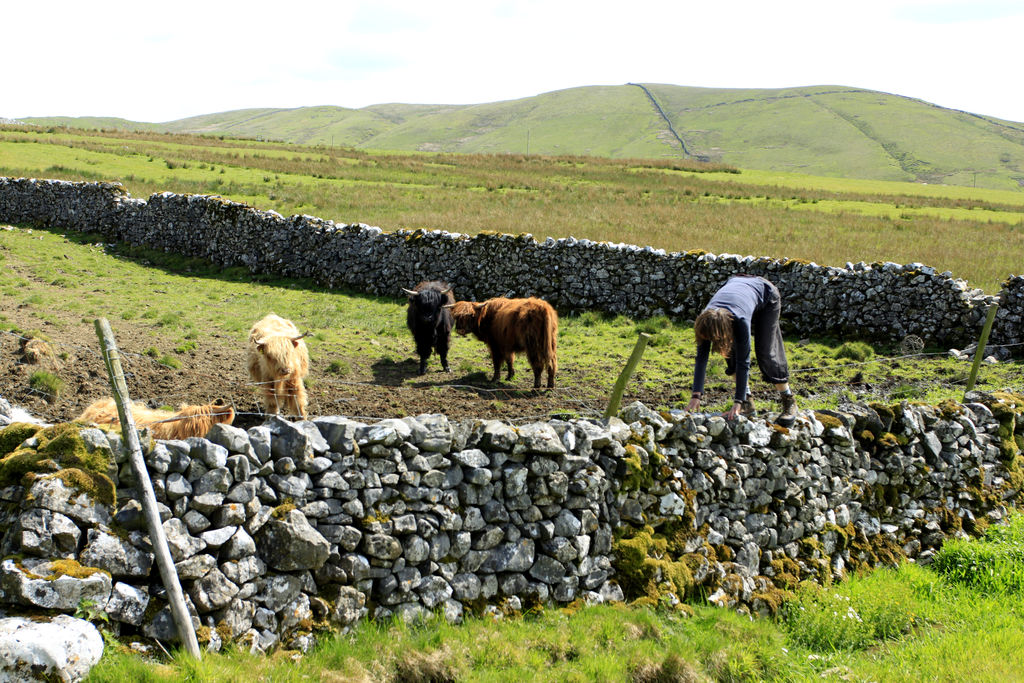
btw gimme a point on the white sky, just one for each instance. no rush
(158, 62)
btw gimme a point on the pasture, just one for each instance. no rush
(182, 325)
(678, 206)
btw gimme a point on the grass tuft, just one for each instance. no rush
(47, 384)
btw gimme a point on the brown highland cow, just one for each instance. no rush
(510, 326)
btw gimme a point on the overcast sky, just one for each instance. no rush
(158, 62)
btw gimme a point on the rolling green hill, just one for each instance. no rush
(821, 130)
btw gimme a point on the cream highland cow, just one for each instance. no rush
(278, 360)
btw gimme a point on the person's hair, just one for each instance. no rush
(715, 325)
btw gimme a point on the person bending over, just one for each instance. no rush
(745, 306)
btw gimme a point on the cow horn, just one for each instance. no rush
(410, 292)
(447, 305)
(446, 291)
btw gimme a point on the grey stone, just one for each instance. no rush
(382, 546)
(51, 493)
(234, 439)
(540, 437)
(207, 503)
(181, 544)
(471, 458)
(177, 486)
(415, 550)
(59, 649)
(212, 591)
(195, 567)
(127, 603)
(241, 545)
(115, 556)
(339, 433)
(38, 583)
(511, 557)
(212, 455)
(237, 616)
(215, 538)
(294, 613)
(196, 522)
(289, 543)
(243, 570)
(278, 591)
(47, 534)
(259, 440)
(548, 570)
(492, 435)
(216, 480)
(466, 587)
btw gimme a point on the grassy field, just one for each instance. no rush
(975, 233)
(182, 323)
(900, 624)
(825, 130)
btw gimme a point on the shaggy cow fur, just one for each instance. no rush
(278, 360)
(188, 420)
(430, 321)
(510, 326)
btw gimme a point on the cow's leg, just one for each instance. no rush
(496, 360)
(423, 349)
(442, 352)
(538, 368)
(296, 398)
(270, 396)
(551, 375)
(511, 370)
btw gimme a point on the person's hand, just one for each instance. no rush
(693, 405)
(732, 412)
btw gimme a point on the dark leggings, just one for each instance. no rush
(768, 347)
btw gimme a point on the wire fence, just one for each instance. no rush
(580, 400)
(136, 365)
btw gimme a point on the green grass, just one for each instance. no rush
(906, 624)
(353, 333)
(46, 383)
(832, 131)
(661, 203)
(995, 565)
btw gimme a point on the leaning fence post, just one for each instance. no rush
(627, 372)
(175, 597)
(980, 352)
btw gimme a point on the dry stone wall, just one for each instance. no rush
(883, 301)
(287, 527)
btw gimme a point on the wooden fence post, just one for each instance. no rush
(175, 597)
(627, 372)
(980, 352)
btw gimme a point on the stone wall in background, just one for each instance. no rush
(880, 301)
(288, 527)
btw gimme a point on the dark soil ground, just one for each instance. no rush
(368, 390)
(216, 369)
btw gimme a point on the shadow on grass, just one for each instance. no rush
(177, 264)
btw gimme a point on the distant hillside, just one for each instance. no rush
(822, 130)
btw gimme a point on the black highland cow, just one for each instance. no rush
(429, 321)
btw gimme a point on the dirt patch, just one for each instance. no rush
(216, 369)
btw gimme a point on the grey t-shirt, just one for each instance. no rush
(742, 296)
